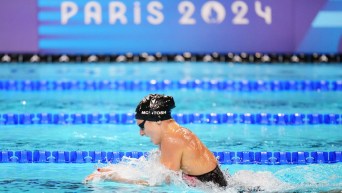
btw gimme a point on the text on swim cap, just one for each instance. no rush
(153, 112)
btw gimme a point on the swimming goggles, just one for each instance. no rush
(141, 125)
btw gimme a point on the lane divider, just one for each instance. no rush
(192, 118)
(225, 157)
(152, 85)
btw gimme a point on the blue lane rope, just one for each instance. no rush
(225, 157)
(192, 118)
(152, 85)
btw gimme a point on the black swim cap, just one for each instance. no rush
(155, 107)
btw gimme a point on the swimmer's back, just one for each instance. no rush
(197, 159)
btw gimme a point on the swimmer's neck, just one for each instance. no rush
(168, 129)
(171, 125)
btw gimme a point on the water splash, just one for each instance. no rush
(250, 181)
(145, 168)
(312, 178)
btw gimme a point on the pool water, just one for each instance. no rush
(69, 177)
(187, 101)
(45, 177)
(239, 137)
(170, 70)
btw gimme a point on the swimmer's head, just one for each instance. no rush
(155, 107)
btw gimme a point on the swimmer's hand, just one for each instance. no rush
(112, 176)
(104, 169)
(91, 177)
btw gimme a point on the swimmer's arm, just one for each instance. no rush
(171, 154)
(115, 178)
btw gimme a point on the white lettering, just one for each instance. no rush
(213, 12)
(240, 9)
(137, 13)
(68, 10)
(155, 8)
(117, 11)
(92, 10)
(187, 9)
(267, 14)
(153, 112)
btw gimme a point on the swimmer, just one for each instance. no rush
(107, 174)
(180, 149)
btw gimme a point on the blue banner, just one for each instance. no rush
(105, 26)
(201, 26)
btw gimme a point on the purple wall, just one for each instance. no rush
(305, 17)
(34, 26)
(18, 31)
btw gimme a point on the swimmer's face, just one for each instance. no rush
(150, 129)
